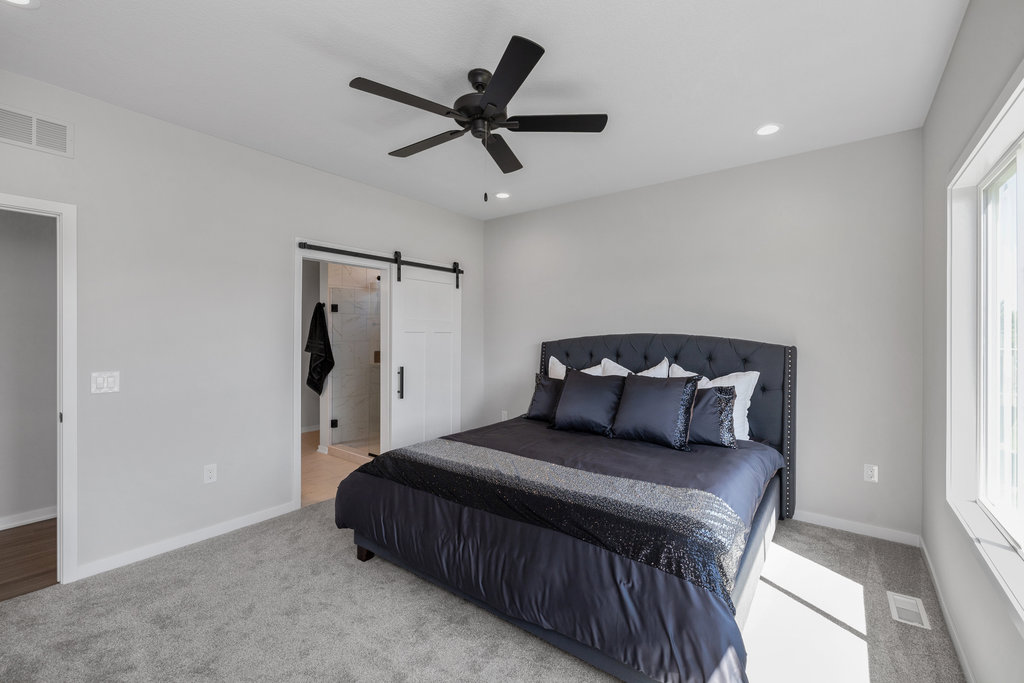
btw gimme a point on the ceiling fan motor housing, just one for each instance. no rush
(478, 121)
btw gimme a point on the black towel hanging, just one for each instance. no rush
(318, 345)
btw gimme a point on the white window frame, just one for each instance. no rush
(1015, 157)
(966, 284)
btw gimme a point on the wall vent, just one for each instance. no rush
(25, 129)
(907, 609)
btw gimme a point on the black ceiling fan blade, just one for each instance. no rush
(558, 123)
(433, 141)
(520, 57)
(381, 90)
(501, 153)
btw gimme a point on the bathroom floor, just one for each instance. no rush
(321, 473)
(362, 447)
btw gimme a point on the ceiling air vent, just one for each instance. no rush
(25, 129)
(907, 609)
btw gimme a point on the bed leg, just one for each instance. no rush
(362, 554)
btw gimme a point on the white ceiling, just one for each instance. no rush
(685, 82)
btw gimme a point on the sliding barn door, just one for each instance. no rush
(426, 328)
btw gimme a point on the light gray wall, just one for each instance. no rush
(186, 282)
(988, 49)
(310, 297)
(28, 363)
(820, 250)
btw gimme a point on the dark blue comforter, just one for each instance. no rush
(626, 547)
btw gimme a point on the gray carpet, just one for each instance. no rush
(287, 600)
(896, 652)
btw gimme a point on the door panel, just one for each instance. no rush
(426, 310)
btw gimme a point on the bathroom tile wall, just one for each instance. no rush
(355, 337)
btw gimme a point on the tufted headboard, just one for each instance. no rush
(772, 412)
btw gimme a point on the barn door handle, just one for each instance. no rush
(401, 381)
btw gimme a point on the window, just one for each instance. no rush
(1001, 464)
(984, 343)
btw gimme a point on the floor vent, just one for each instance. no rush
(24, 129)
(908, 610)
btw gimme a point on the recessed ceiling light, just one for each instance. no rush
(27, 4)
(769, 129)
(501, 195)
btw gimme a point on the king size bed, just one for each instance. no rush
(637, 556)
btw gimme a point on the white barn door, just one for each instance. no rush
(426, 332)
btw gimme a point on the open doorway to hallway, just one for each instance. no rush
(29, 399)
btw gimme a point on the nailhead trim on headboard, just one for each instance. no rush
(789, 435)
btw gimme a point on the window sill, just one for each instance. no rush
(1006, 565)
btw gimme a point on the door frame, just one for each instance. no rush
(300, 343)
(66, 216)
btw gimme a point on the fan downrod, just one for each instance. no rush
(479, 78)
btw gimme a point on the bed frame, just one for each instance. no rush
(772, 418)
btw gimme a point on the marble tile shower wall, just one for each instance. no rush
(355, 337)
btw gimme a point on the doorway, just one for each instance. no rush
(38, 456)
(395, 333)
(341, 425)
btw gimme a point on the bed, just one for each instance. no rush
(499, 522)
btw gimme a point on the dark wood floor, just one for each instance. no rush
(28, 558)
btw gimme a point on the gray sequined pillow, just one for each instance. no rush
(712, 420)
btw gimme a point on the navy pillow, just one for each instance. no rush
(588, 403)
(712, 421)
(546, 393)
(657, 410)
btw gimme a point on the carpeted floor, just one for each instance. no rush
(287, 600)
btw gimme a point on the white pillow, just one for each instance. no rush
(660, 370)
(677, 371)
(556, 369)
(745, 383)
(610, 367)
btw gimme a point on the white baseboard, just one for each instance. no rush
(322, 449)
(859, 528)
(153, 549)
(945, 615)
(22, 518)
(311, 428)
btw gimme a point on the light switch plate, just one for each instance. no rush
(106, 382)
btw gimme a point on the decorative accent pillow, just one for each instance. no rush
(588, 403)
(657, 410)
(546, 393)
(556, 369)
(610, 367)
(712, 420)
(745, 383)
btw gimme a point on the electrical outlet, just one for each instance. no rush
(209, 474)
(504, 415)
(871, 473)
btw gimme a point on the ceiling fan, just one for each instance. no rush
(483, 110)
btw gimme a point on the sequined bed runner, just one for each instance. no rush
(686, 532)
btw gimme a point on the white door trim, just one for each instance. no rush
(67, 376)
(300, 342)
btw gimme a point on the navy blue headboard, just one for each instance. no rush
(772, 412)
